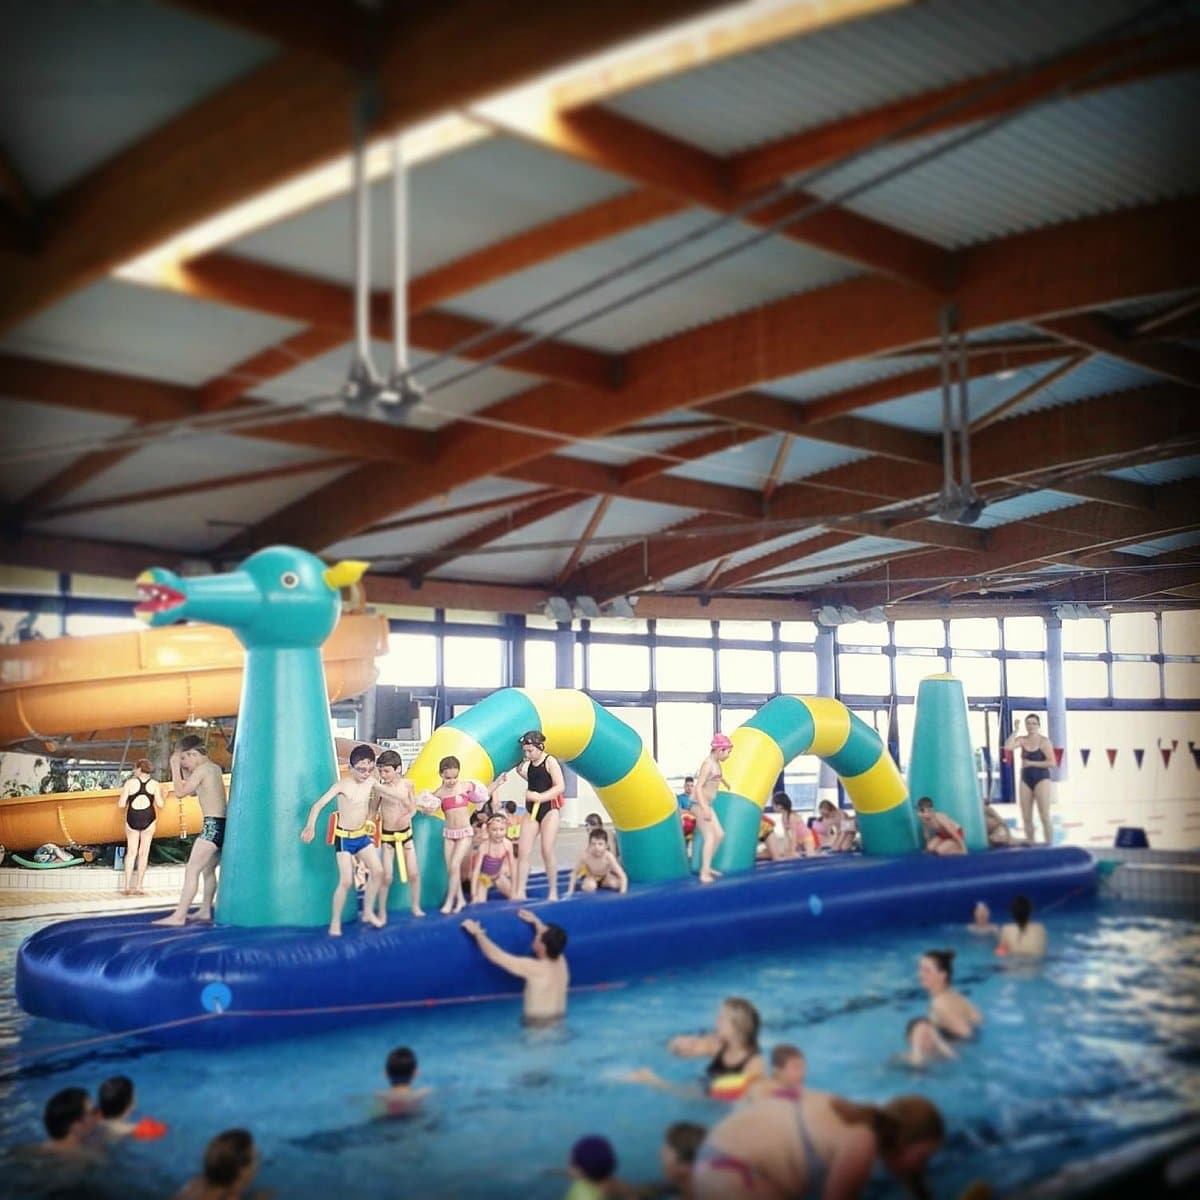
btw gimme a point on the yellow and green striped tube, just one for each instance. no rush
(589, 739)
(789, 726)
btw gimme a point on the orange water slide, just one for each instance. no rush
(64, 686)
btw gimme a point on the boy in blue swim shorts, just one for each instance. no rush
(353, 838)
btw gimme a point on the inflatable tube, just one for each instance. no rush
(47, 866)
(579, 733)
(110, 972)
(787, 727)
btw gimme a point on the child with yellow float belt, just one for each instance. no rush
(354, 837)
(394, 802)
(736, 1061)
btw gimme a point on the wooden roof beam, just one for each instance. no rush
(328, 29)
(1085, 264)
(293, 114)
(1095, 334)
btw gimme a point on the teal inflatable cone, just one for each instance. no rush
(942, 762)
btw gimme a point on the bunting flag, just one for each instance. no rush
(1196, 754)
(1138, 755)
(1174, 744)
(1085, 753)
(1112, 757)
(1165, 751)
(1059, 751)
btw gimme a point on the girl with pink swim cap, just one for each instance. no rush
(710, 780)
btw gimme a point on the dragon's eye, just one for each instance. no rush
(290, 579)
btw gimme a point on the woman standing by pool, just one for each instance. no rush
(819, 1145)
(543, 803)
(1037, 761)
(141, 799)
(952, 1013)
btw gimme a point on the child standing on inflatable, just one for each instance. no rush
(495, 866)
(454, 797)
(352, 837)
(393, 803)
(543, 802)
(710, 780)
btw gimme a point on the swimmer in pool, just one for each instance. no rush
(401, 1099)
(231, 1161)
(821, 1145)
(735, 1061)
(72, 1126)
(786, 1081)
(981, 921)
(353, 838)
(1023, 938)
(925, 1044)
(546, 974)
(950, 1011)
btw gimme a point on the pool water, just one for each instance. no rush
(1094, 1048)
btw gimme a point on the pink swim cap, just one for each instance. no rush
(721, 742)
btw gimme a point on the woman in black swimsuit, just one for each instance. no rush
(141, 799)
(1037, 761)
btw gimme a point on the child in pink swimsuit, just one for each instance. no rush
(454, 797)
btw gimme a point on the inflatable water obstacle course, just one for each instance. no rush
(267, 969)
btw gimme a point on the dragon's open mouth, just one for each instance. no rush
(156, 598)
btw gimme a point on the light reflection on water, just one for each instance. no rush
(1098, 1045)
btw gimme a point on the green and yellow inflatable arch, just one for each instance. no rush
(611, 756)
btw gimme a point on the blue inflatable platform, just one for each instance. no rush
(204, 985)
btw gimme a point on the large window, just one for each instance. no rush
(863, 633)
(747, 671)
(980, 676)
(540, 669)
(975, 633)
(1135, 681)
(617, 667)
(474, 662)
(864, 674)
(912, 668)
(411, 660)
(684, 732)
(1134, 633)
(1024, 633)
(798, 672)
(745, 631)
(1085, 679)
(920, 633)
(683, 669)
(1084, 637)
(1026, 677)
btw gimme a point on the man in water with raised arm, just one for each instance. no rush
(546, 975)
(193, 773)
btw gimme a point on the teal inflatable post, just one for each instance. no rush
(281, 603)
(942, 762)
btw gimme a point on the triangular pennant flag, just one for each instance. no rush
(1174, 743)
(1138, 755)
(1196, 755)
(1059, 751)
(1166, 755)
(1085, 753)
(1112, 757)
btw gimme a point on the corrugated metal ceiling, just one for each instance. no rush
(857, 66)
(1113, 149)
(459, 203)
(771, 268)
(1158, 473)
(135, 330)
(1024, 507)
(67, 102)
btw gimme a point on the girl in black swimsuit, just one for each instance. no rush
(544, 779)
(141, 804)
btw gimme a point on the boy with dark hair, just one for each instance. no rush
(401, 1099)
(597, 867)
(70, 1119)
(393, 804)
(353, 838)
(116, 1102)
(193, 773)
(546, 974)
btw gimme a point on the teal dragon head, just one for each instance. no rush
(279, 596)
